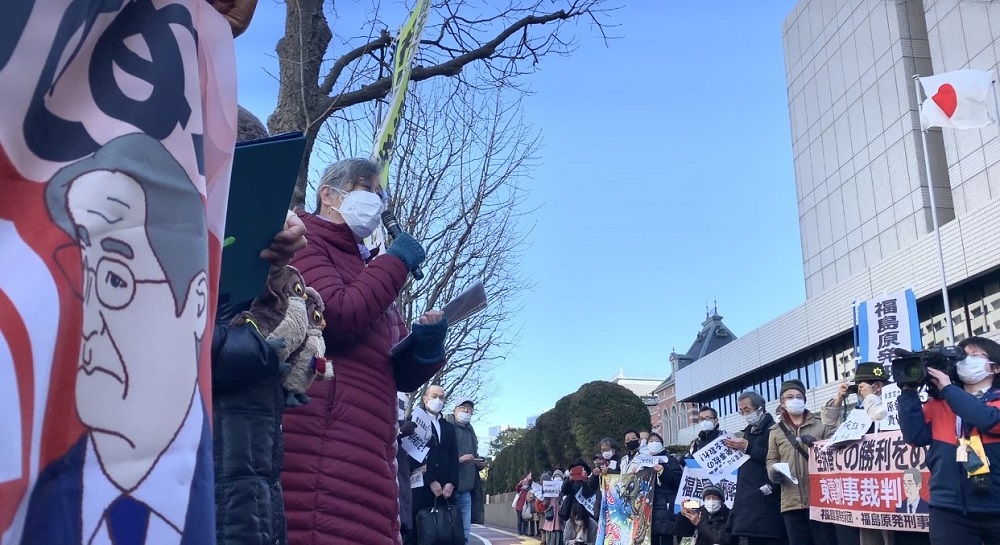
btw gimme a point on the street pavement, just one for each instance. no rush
(483, 535)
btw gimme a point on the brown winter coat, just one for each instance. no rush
(780, 449)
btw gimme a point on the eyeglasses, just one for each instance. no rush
(114, 282)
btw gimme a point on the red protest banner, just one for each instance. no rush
(879, 482)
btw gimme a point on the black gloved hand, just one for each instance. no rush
(408, 250)
(807, 440)
(428, 342)
(407, 428)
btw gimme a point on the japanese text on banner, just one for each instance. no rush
(879, 482)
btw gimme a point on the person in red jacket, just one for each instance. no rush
(340, 450)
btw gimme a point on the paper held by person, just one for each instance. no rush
(782, 467)
(467, 303)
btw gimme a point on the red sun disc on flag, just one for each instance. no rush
(946, 99)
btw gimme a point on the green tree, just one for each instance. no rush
(569, 431)
(505, 439)
(603, 409)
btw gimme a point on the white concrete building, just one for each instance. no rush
(863, 198)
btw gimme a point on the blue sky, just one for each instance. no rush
(665, 181)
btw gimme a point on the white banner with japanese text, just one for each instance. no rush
(879, 482)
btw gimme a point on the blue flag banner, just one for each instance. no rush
(885, 323)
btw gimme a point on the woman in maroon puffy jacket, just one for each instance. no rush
(340, 476)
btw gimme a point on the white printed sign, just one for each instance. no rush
(855, 426)
(416, 445)
(537, 490)
(551, 489)
(417, 478)
(717, 458)
(890, 393)
(694, 480)
(888, 322)
(586, 503)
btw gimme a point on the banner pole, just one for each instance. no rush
(996, 106)
(934, 220)
(857, 333)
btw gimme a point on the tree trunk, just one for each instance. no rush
(300, 101)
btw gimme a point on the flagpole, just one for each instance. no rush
(934, 220)
(996, 105)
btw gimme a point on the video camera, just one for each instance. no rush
(910, 368)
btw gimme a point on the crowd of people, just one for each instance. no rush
(771, 507)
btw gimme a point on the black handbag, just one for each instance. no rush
(440, 525)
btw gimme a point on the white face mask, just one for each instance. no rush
(362, 211)
(707, 425)
(795, 406)
(655, 447)
(435, 405)
(608, 454)
(972, 370)
(754, 417)
(463, 418)
(713, 505)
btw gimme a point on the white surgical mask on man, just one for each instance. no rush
(362, 211)
(712, 506)
(463, 418)
(706, 425)
(755, 417)
(972, 370)
(795, 406)
(435, 405)
(654, 447)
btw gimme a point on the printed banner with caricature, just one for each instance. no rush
(879, 482)
(626, 509)
(116, 146)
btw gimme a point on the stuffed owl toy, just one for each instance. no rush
(280, 312)
(307, 362)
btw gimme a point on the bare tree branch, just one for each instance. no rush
(506, 43)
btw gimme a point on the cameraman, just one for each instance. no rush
(963, 509)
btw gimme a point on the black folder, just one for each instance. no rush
(264, 175)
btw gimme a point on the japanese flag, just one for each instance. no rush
(957, 100)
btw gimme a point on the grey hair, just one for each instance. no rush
(344, 174)
(175, 214)
(755, 399)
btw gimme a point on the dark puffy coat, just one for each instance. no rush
(704, 438)
(247, 402)
(754, 514)
(664, 493)
(712, 529)
(340, 450)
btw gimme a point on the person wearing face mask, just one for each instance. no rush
(553, 525)
(788, 442)
(756, 509)
(632, 445)
(440, 466)
(708, 425)
(668, 478)
(468, 494)
(964, 508)
(869, 377)
(350, 427)
(712, 520)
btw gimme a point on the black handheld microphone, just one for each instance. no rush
(392, 225)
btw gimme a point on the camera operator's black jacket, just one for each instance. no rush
(933, 424)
